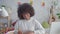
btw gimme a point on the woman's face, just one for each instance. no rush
(26, 16)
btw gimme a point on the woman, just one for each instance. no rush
(26, 24)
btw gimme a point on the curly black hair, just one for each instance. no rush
(25, 8)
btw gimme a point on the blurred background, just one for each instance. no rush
(42, 9)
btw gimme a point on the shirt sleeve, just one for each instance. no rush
(38, 28)
(16, 27)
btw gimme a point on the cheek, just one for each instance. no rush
(25, 16)
(28, 15)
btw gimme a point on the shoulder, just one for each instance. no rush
(36, 21)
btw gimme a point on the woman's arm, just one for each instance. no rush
(38, 28)
(17, 29)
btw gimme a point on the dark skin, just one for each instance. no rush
(29, 32)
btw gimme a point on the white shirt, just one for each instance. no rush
(29, 25)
